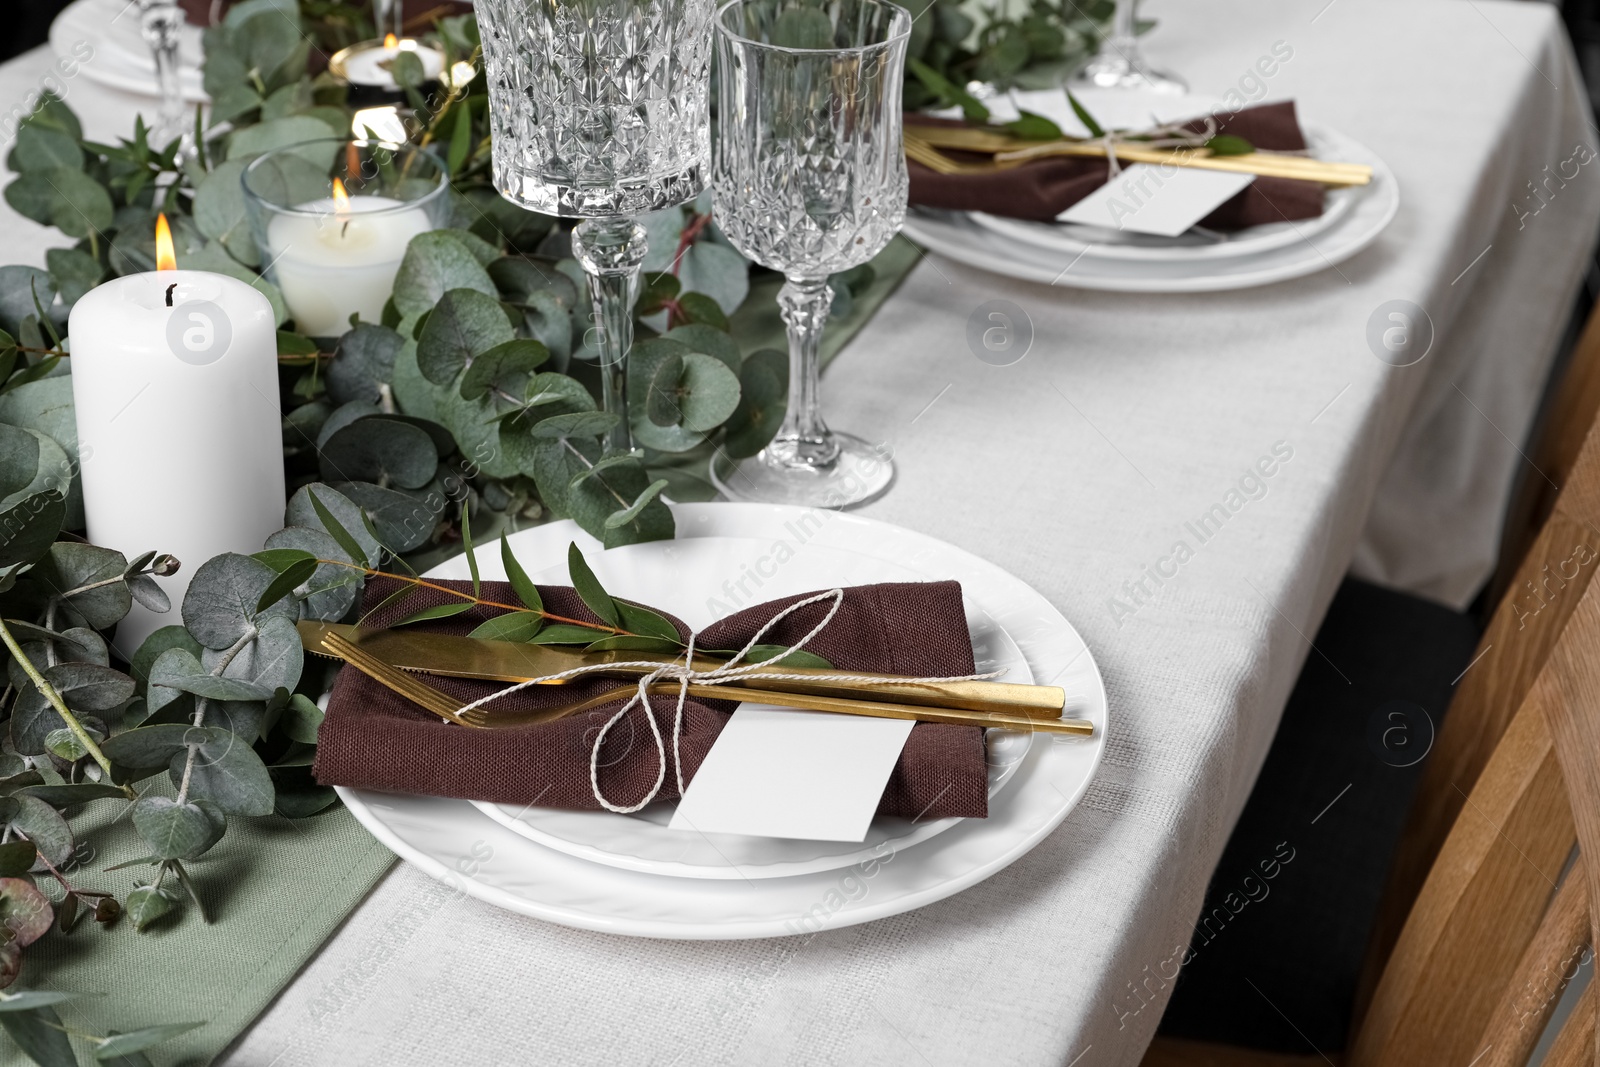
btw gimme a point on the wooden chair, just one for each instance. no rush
(1540, 597)
(1529, 615)
(1479, 964)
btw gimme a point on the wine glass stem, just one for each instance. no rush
(160, 22)
(803, 440)
(1124, 30)
(611, 250)
(389, 16)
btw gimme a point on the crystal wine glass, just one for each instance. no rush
(159, 22)
(809, 178)
(599, 110)
(1120, 65)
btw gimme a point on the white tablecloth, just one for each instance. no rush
(1077, 469)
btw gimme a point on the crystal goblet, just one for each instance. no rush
(599, 110)
(809, 179)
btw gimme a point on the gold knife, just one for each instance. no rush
(511, 661)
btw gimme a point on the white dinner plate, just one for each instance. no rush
(1059, 255)
(455, 842)
(121, 58)
(1097, 242)
(658, 573)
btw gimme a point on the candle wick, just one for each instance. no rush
(171, 287)
(344, 229)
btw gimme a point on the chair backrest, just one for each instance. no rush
(1479, 964)
(1553, 576)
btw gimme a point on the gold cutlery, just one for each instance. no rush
(923, 144)
(512, 661)
(487, 718)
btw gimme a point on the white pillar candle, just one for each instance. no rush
(334, 258)
(179, 431)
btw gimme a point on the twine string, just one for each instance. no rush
(684, 673)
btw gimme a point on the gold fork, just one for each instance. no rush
(486, 718)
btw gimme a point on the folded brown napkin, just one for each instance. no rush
(373, 739)
(1043, 189)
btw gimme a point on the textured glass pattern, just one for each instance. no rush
(598, 107)
(810, 173)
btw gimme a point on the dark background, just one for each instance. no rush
(28, 24)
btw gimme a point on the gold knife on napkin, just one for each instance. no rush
(512, 661)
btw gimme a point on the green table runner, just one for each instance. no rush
(275, 889)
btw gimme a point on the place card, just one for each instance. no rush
(777, 772)
(1158, 199)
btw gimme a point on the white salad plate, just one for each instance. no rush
(1086, 257)
(456, 842)
(658, 573)
(120, 58)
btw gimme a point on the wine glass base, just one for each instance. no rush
(862, 472)
(1113, 71)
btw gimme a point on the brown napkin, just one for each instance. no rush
(373, 739)
(1043, 189)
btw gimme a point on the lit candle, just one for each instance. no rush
(175, 386)
(366, 64)
(337, 257)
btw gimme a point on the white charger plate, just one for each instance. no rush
(122, 59)
(1096, 242)
(453, 841)
(658, 573)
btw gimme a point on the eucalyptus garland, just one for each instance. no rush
(470, 407)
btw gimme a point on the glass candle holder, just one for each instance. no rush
(333, 219)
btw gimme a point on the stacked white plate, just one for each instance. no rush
(629, 874)
(1088, 257)
(120, 58)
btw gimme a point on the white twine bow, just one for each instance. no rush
(685, 675)
(1161, 135)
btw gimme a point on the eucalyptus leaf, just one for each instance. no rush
(331, 509)
(272, 661)
(228, 773)
(74, 273)
(301, 719)
(220, 605)
(45, 827)
(504, 368)
(71, 566)
(763, 402)
(173, 830)
(150, 747)
(363, 364)
(464, 325)
(403, 519)
(177, 669)
(144, 906)
(436, 263)
(382, 451)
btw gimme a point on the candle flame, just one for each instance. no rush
(166, 256)
(391, 41)
(341, 198)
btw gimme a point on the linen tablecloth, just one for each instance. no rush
(1078, 469)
